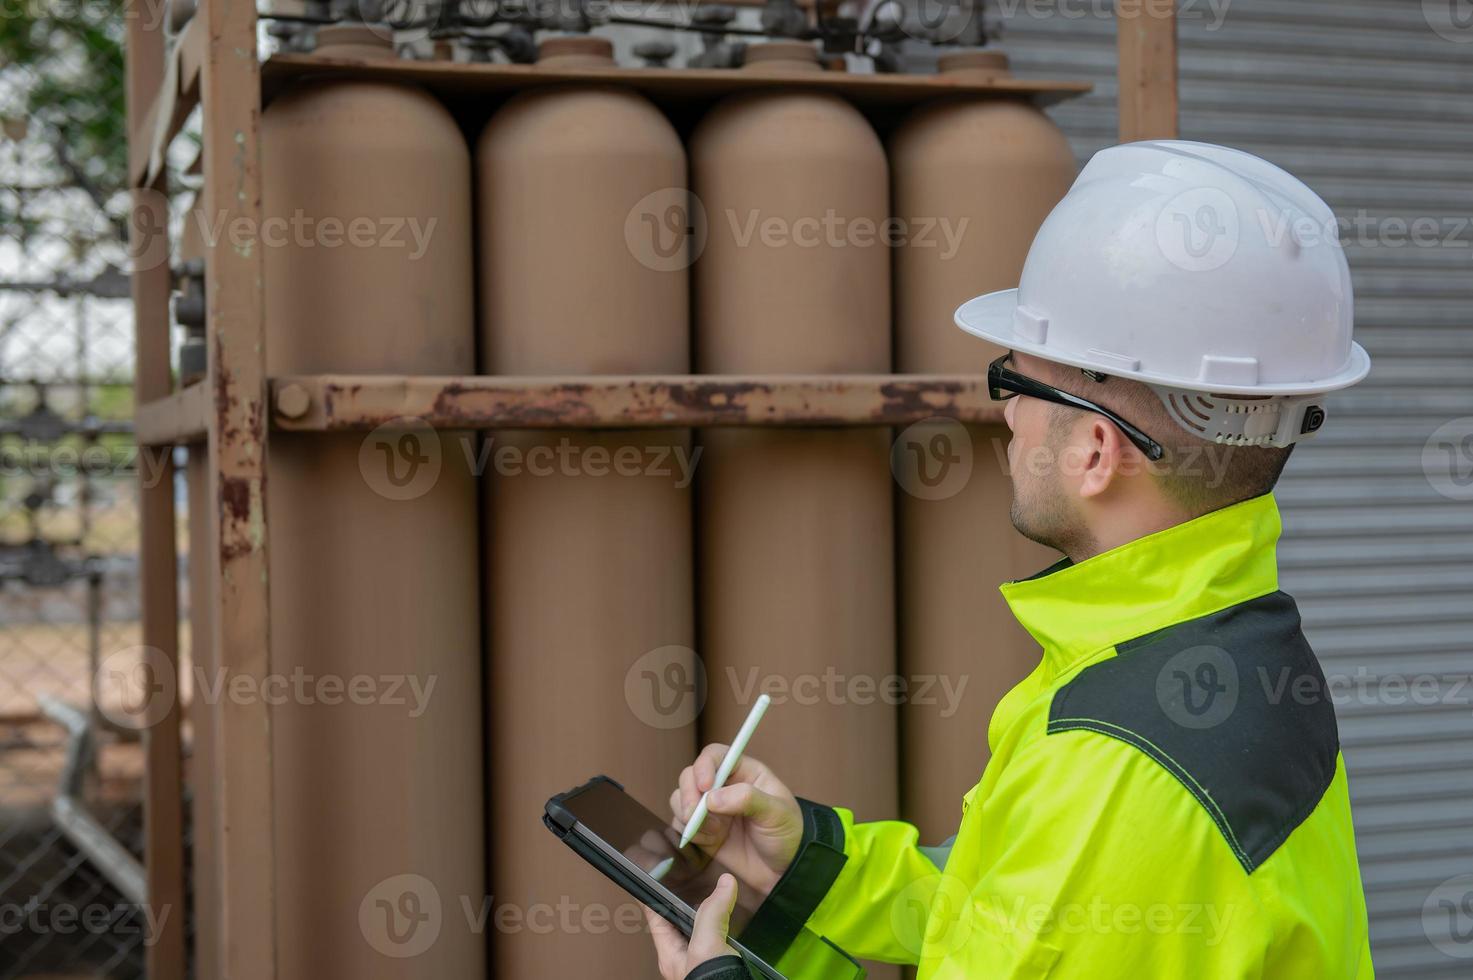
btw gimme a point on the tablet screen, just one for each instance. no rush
(653, 846)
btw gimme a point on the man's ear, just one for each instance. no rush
(1105, 459)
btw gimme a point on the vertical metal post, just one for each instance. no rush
(1148, 69)
(163, 794)
(230, 99)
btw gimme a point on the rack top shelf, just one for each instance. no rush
(665, 84)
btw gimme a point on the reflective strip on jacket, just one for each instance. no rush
(1165, 795)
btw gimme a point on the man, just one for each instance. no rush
(1165, 795)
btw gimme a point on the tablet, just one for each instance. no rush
(642, 854)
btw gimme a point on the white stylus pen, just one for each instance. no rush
(733, 756)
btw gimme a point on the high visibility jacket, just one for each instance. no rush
(1165, 796)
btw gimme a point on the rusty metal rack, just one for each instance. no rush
(213, 64)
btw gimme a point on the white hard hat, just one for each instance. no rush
(1208, 273)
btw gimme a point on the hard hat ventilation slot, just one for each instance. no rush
(1179, 412)
(1238, 420)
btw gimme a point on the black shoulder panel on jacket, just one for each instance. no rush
(1233, 704)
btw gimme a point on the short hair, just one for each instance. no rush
(1199, 475)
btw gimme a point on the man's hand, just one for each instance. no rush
(754, 825)
(707, 938)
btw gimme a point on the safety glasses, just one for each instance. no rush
(1003, 383)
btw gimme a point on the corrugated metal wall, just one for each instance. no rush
(1369, 104)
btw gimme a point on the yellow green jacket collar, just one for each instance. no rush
(1186, 571)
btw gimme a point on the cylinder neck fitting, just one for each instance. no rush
(974, 63)
(576, 51)
(781, 56)
(352, 41)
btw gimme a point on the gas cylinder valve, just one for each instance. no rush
(655, 53)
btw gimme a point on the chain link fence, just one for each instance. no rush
(69, 591)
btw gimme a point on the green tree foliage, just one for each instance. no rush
(61, 75)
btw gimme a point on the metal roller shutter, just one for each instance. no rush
(1369, 104)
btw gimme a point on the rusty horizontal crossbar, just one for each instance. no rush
(339, 402)
(176, 419)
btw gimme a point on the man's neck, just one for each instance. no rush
(1122, 525)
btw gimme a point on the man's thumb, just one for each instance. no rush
(713, 919)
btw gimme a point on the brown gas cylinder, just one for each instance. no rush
(973, 179)
(796, 550)
(588, 534)
(374, 573)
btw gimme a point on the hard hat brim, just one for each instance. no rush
(993, 318)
